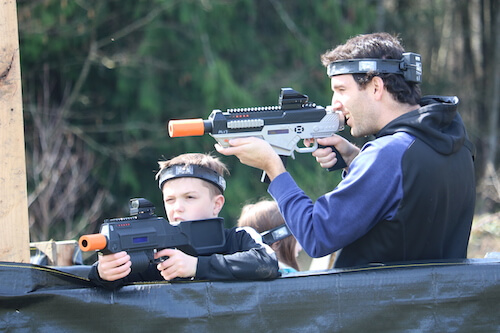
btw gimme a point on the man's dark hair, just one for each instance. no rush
(376, 46)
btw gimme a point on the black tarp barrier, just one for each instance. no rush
(422, 297)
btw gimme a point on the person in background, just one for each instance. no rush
(263, 216)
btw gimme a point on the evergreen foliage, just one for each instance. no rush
(111, 74)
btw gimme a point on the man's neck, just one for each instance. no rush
(394, 110)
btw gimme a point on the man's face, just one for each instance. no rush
(187, 199)
(355, 104)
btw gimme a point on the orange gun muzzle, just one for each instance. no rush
(186, 127)
(92, 242)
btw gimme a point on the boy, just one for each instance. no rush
(192, 187)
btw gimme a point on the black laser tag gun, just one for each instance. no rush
(143, 232)
(283, 126)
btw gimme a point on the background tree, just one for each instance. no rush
(101, 79)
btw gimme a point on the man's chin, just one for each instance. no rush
(357, 134)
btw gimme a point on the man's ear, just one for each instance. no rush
(377, 87)
(218, 204)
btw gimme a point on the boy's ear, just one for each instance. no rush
(218, 204)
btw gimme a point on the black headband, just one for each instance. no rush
(194, 171)
(276, 234)
(410, 66)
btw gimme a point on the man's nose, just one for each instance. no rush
(336, 104)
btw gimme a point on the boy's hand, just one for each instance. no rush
(178, 264)
(114, 266)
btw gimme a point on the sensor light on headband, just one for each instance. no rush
(410, 66)
(275, 234)
(194, 171)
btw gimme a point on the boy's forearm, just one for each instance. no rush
(255, 264)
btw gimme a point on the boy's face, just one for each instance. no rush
(188, 199)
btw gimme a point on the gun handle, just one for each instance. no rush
(340, 161)
(141, 260)
(264, 178)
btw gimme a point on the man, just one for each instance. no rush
(193, 189)
(407, 195)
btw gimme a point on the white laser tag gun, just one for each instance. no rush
(282, 126)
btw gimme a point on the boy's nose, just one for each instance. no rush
(178, 207)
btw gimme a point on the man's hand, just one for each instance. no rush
(114, 266)
(256, 153)
(178, 264)
(326, 157)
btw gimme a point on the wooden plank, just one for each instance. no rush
(58, 253)
(14, 226)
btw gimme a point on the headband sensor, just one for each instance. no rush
(275, 234)
(410, 66)
(193, 171)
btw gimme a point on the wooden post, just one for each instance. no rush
(14, 226)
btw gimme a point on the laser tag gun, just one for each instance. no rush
(283, 126)
(143, 233)
(275, 234)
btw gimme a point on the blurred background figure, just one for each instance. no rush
(263, 216)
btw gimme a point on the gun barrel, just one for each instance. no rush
(92, 242)
(186, 127)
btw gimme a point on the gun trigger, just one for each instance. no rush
(161, 259)
(264, 178)
(307, 149)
